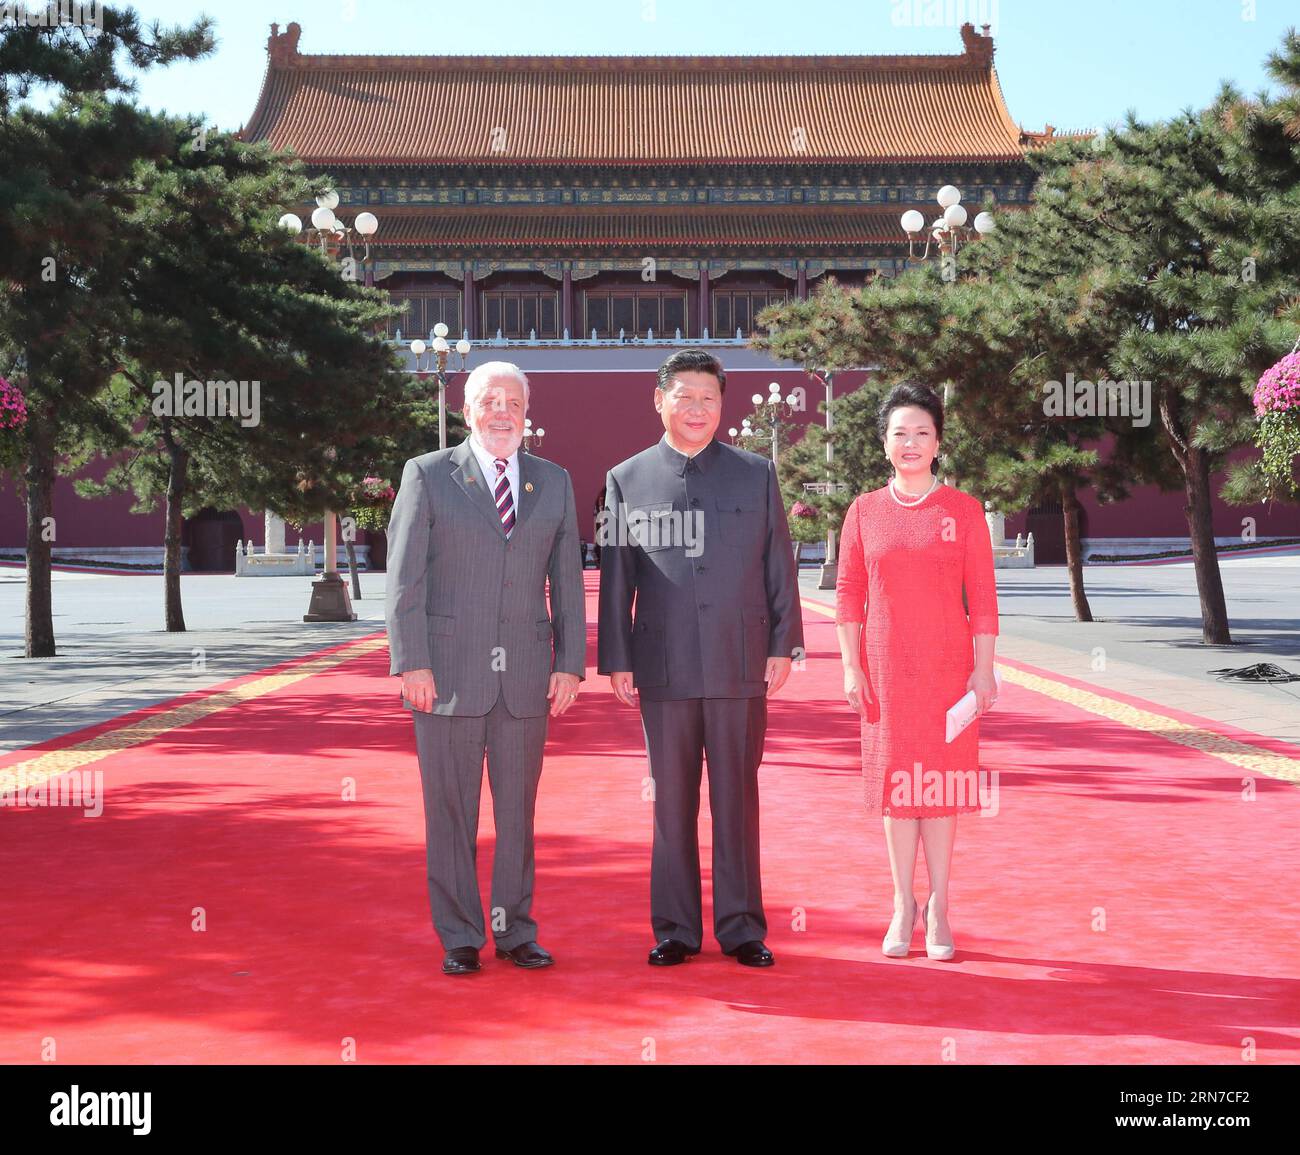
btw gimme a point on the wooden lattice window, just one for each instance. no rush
(633, 310)
(520, 312)
(736, 309)
(425, 309)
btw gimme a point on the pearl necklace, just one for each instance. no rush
(934, 484)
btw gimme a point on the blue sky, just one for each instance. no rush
(1075, 65)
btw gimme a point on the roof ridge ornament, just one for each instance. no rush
(978, 47)
(282, 47)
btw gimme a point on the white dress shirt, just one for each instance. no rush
(488, 463)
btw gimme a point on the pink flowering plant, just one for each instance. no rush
(373, 503)
(13, 416)
(1277, 405)
(806, 523)
(13, 408)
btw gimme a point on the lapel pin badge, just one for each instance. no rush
(528, 487)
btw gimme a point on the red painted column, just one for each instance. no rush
(566, 302)
(801, 285)
(704, 302)
(468, 311)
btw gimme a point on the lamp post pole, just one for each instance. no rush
(441, 351)
(329, 594)
(770, 410)
(830, 567)
(947, 234)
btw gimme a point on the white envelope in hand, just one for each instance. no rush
(965, 711)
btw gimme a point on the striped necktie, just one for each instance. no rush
(505, 502)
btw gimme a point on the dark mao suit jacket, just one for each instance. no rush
(699, 626)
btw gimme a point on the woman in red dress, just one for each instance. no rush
(911, 649)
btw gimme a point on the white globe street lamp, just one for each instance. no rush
(770, 411)
(329, 600)
(324, 220)
(947, 231)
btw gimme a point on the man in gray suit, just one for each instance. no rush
(694, 534)
(476, 532)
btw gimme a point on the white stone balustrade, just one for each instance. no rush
(1005, 555)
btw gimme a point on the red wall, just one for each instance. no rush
(107, 522)
(593, 420)
(1151, 512)
(80, 522)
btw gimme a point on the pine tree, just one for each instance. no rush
(1202, 260)
(1161, 253)
(221, 293)
(61, 204)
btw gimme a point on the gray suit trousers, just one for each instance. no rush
(451, 750)
(679, 735)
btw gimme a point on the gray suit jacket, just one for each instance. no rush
(706, 624)
(470, 605)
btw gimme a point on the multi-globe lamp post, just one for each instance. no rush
(769, 412)
(326, 225)
(830, 567)
(532, 436)
(441, 350)
(329, 595)
(948, 231)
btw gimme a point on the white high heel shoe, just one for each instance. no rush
(898, 947)
(934, 950)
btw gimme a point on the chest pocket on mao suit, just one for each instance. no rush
(741, 520)
(653, 526)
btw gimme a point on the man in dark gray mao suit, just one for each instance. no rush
(475, 534)
(694, 542)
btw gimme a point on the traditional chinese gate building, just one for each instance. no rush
(584, 216)
(534, 197)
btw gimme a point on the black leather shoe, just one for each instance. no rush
(669, 952)
(527, 954)
(752, 954)
(461, 960)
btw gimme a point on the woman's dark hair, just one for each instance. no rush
(904, 396)
(687, 360)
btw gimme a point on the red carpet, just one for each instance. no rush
(318, 930)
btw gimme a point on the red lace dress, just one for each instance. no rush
(910, 565)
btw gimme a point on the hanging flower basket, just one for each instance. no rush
(1277, 405)
(13, 408)
(373, 503)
